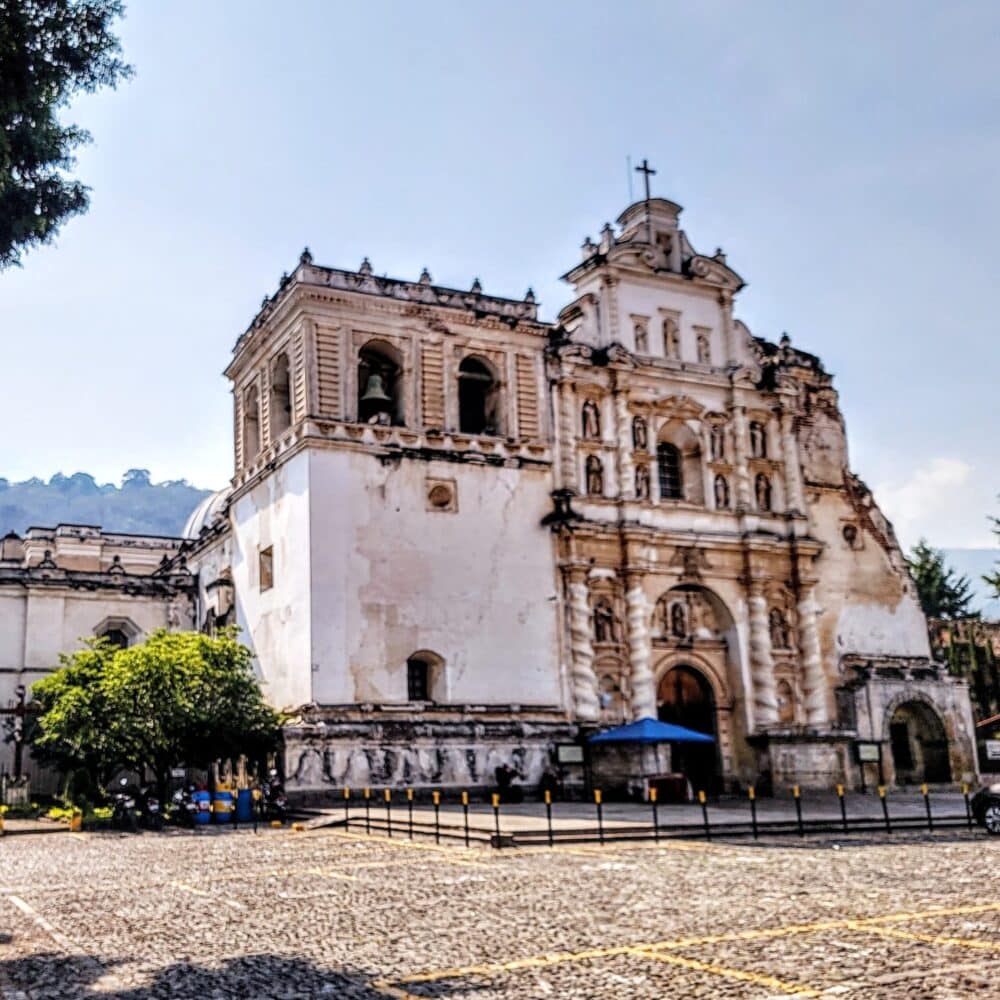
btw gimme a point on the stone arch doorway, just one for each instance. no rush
(919, 744)
(685, 698)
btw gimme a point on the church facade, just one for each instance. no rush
(458, 536)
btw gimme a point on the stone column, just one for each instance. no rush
(584, 680)
(639, 648)
(728, 338)
(795, 499)
(741, 448)
(626, 467)
(765, 699)
(813, 677)
(567, 435)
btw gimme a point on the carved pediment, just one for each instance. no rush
(714, 271)
(681, 406)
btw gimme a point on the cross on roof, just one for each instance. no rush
(647, 171)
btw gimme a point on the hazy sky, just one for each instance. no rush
(845, 157)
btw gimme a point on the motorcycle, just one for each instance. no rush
(185, 809)
(150, 815)
(123, 809)
(275, 800)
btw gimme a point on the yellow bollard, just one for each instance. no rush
(388, 795)
(597, 796)
(701, 797)
(840, 790)
(495, 799)
(465, 798)
(795, 791)
(752, 793)
(652, 794)
(347, 793)
(297, 827)
(275, 824)
(881, 791)
(436, 798)
(409, 794)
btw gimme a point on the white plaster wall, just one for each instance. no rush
(275, 623)
(391, 578)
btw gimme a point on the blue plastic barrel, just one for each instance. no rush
(204, 803)
(244, 805)
(222, 806)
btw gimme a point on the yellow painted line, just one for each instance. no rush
(652, 947)
(929, 938)
(412, 845)
(720, 970)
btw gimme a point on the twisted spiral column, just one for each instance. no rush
(813, 678)
(793, 471)
(639, 650)
(583, 678)
(741, 448)
(626, 467)
(765, 697)
(567, 436)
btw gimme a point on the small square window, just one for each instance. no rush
(266, 568)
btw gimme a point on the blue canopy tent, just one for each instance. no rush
(650, 730)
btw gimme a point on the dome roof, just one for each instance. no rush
(206, 513)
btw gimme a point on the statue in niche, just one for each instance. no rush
(591, 420)
(604, 622)
(595, 476)
(721, 493)
(678, 620)
(718, 444)
(642, 482)
(641, 339)
(639, 435)
(762, 486)
(671, 340)
(779, 629)
(704, 350)
(758, 440)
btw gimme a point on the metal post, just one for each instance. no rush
(843, 807)
(968, 804)
(548, 813)
(496, 816)
(465, 810)
(703, 799)
(925, 791)
(368, 818)
(796, 793)
(752, 792)
(885, 808)
(20, 691)
(437, 816)
(409, 809)
(600, 815)
(347, 809)
(388, 812)
(656, 818)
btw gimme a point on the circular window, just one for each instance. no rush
(440, 496)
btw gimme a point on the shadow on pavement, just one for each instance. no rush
(50, 976)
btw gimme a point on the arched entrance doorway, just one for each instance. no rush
(919, 744)
(685, 698)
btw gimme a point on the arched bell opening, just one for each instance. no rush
(478, 398)
(380, 386)
(919, 744)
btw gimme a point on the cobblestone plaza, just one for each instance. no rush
(285, 914)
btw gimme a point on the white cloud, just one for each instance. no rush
(942, 501)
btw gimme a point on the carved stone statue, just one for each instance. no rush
(718, 444)
(604, 622)
(704, 350)
(595, 476)
(758, 440)
(779, 629)
(678, 620)
(762, 486)
(591, 420)
(639, 434)
(642, 482)
(721, 493)
(641, 339)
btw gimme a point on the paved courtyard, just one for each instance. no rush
(285, 914)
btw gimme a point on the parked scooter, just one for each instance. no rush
(185, 809)
(275, 801)
(150, 814)
(123, 809)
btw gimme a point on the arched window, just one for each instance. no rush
(668, 462)
(423, 676)
(120, 632)
(595, 476)
(762, 487)
(478, 398)
(116, 637)
(281, 399)
(251, 424)
(671, 338)
(721, 493)
(380, 387)
(758, 440)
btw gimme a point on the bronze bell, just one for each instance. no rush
(375, 394)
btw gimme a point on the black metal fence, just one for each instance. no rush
(393, 816)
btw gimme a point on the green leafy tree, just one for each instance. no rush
(942, 593)
(993, 579)
(50, 50)
(178, 698)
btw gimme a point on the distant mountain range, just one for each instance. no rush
(138, 506)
